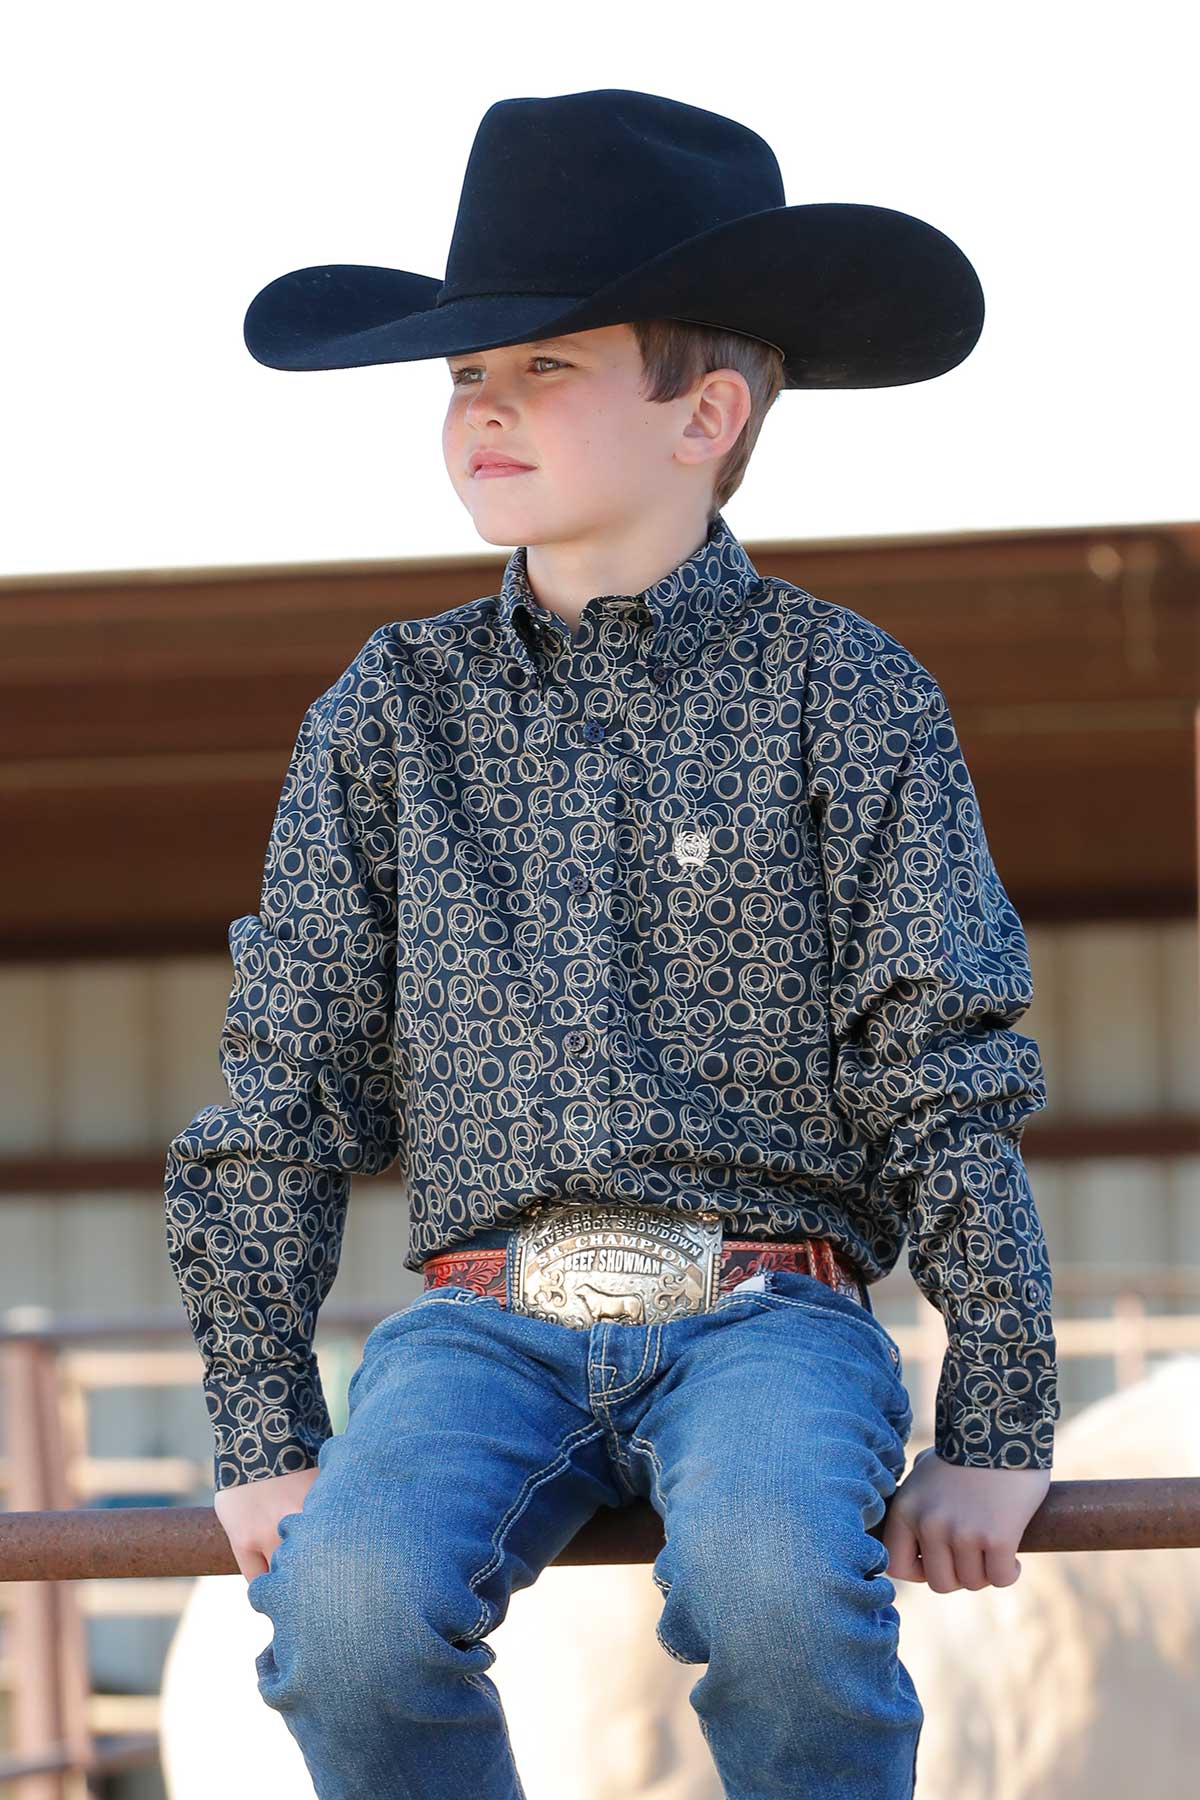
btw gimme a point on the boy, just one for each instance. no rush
(642, 916)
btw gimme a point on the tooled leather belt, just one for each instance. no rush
(579, 1264)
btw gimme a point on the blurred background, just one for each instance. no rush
(192, 547)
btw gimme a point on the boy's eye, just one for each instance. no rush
(470, 368)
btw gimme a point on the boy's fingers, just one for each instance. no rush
(1003, 1569)
(250, 1559)
(900, 1542)
(938, 1562)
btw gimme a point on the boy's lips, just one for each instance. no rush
(492, 463)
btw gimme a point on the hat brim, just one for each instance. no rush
(855, 296)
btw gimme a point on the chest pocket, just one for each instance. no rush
(728, 929)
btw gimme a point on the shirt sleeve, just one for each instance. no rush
(929, 974)
(256, 1191)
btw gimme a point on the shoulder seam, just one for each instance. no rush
(846, 618)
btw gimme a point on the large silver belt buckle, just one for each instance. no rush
(635, 1265)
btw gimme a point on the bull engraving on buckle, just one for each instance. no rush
(631, 1265)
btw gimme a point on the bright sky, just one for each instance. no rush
(163, 162)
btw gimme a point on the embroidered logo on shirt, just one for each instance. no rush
(691, 845)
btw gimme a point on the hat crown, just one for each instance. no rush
(565, 194)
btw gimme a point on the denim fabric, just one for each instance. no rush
(692, 908)
(767, 1433)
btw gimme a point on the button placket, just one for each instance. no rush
(575, 1079)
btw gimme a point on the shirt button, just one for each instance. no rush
(593, 731)
(658, 671)
(575, 1041)
(580, 884)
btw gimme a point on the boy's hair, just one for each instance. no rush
(676, 353)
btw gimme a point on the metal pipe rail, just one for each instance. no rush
(1158, 1514)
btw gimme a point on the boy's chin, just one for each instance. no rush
(498, 531)
(500, 523)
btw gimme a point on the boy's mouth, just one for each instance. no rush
(495, 462)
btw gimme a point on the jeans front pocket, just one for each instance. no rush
(449, 1294)
(453, 1295)
(792, 1287)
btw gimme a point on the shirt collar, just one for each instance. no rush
(704, 593)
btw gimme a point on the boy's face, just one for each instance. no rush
(601, 455)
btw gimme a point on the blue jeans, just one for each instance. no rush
(767, 1433)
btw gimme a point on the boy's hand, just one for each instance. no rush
(250, 1513)
(956, 1527)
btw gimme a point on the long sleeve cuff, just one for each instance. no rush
(266, 1420)
(999, 1413)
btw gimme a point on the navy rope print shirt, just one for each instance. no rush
(692, 909)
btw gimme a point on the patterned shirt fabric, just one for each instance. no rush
(691, 907)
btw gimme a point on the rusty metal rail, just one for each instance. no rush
(54, 1538)
(1160, 1514)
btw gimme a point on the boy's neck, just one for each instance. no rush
(565, 576)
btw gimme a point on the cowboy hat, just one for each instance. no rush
(602, 207)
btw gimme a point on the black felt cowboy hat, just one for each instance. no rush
(599, 208)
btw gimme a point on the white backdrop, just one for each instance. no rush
(163, 162)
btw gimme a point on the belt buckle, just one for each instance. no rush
(583, 1265)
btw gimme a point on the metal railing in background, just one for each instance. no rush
(58, 1548)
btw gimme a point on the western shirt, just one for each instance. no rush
(691, 907)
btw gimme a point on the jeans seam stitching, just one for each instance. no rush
(582, 1434)
(810, 1306)
(645, 1445)
(654, 1331)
